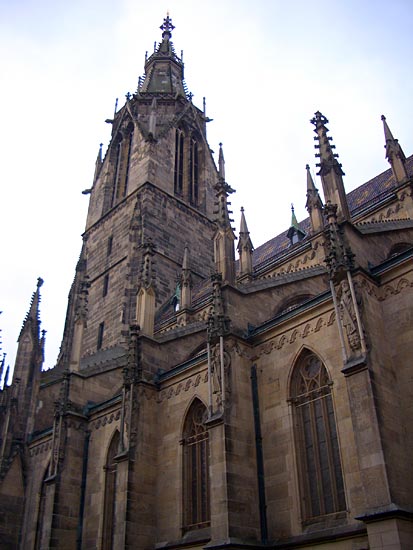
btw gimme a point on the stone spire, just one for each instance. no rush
(26, 375)
(394, 154)
(145, 305)
(244, 248)
(221, 163)
(29, 355)
(164, 70)
(185, 282)
(314, 205)
(330, 169)
(98, 163)
(224, 236)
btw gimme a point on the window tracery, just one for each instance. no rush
(109, 509)
(321, 477)
(196, 468)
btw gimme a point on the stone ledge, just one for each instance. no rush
(392, 511)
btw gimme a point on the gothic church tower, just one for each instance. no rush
(152, 193)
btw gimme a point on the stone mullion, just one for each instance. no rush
(317, 461)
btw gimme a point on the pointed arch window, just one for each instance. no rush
(187, 165)
(109, 509)
(196, 468)
(121, 159)
(321, 477)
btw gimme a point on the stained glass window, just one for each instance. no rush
(319, 458)
(109, 511)
(196, 470)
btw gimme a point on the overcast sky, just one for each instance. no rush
(265, 67)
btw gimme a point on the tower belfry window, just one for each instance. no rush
(101, 331)
(187, 166)
(193, 172)
(179, 162)
(121, 159)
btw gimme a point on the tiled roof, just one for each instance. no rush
(361, 198)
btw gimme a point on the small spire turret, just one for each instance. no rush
(145, 304)
(185, 282)
(98, 163)
(245, 247)
(295, 233)
(221, 163)
(164, 70)
(394, 154)
(32, 319)
(224, 236)
(331, 172)
(314, 205)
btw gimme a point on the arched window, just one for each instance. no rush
(321, 478)
(187, 166)
(121, 159)
(196, 469)
(109, 509)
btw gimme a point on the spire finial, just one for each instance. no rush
(394, 153)
(243, 226)
(221, 163)
(314, 204)
(294, 222)
(167, 27)
(310, 182)
(331, 172)
(32, 319)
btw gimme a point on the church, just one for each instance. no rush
(201, 401)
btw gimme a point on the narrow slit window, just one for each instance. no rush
(101, 330)
(105, 285)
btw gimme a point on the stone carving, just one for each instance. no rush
(348, 315)
(216, 377)
(291, 336)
